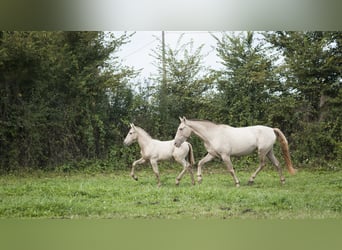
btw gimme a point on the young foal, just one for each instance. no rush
(223, 141)
(155, 150)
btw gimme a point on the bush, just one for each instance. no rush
(315, 142)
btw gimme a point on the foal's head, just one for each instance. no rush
(183, 132)
(132, 135)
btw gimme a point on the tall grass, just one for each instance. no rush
(309, 194)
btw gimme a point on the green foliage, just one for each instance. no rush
(187, 82)
(312, 74)
(313, 61)
(66, 100)
(246, 83)
(55, 89)
(324, 145)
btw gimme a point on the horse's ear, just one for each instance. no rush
(133, 126)
(182, 119)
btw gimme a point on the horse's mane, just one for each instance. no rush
(205, 121)
(143, 132)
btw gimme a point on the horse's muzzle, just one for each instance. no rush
(177, 144)
(127, 143)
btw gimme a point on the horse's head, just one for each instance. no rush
(183, 132)
(132, 135)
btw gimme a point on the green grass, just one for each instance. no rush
(309, 194)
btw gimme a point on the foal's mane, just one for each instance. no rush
(143, 132)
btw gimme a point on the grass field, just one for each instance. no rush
(308, 194)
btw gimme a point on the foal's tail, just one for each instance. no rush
(285, 148)
(191, 155)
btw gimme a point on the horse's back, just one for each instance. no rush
(264, 132)
(265, 136)
(244, 140)
(161, 150)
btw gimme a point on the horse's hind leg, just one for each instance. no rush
(140, 161)
(261, 166)
(275, 162)
(156, 171)
(186, 167)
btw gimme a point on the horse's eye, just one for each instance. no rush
(130, 133)
(180, 129)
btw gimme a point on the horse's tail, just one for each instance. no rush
(191, 155)
(285, 148)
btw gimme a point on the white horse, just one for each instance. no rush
(155, 150)
(224, 141)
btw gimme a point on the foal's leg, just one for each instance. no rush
(262, 156)
(191, 174)
(155, 170)
(275, 162)
(207, 158)
(226, 159)
(186, 167)
(140, 161)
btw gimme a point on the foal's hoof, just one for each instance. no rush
(282, 182)
(134, 177)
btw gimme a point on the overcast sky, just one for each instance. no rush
(138, 52)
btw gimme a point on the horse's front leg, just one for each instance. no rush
(226, 159)
(140, 161)
(207, 158)
(156, 171)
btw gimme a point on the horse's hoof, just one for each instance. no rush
(199, 179)
(250, 183)
(237, 185)
(177, 182)
(282, 182)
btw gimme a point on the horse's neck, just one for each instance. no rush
(202, 129)
(143, 138)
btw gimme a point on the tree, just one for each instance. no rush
(313, 61)
(55, 103)
(187, 81)
(246, 83)
(312, 71)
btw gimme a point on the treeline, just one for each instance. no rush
(67, 100)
